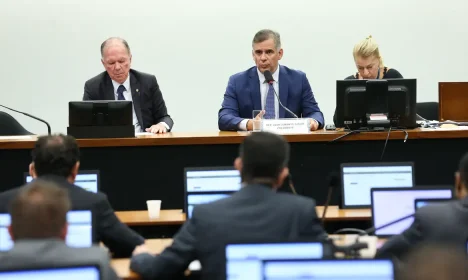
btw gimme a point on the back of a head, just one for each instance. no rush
(39, 211)
(55, 155)
(367, 48)
(463, 170)
(264, 155)
(435, 262)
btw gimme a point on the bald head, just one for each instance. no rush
(116, 58)
(114, 41)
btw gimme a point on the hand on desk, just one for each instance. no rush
(157, 128)
(313, 125)
(141, 249)
(258, 117)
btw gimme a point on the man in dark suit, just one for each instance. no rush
(247, 91)
(39, 230)
(119, 82)
(57, 158)
(445, 223)
(255, 213)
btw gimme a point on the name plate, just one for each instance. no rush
(286, 126)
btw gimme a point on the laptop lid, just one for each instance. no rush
(329, 269)
(391, 204)
(80, 229)
(245, 260)
(87, 179)
(207, 184)
(88, 272)
(358, 178)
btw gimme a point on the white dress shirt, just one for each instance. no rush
(264, 87)
(128, 96)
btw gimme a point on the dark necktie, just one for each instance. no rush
(120, 91)
(270, 103)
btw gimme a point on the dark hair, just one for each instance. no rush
(55, 155)
(266, 34)
(104, 44)
(39, 211)
(463, 170)
(263, 155)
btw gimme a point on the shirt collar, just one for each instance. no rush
(126, 84)
(275, 75)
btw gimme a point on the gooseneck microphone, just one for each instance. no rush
(374, 229)
(31, 116)
(269, 79)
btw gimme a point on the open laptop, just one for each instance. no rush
(329, 269)
(207, 184)
(392, 204)
(87, 179)
(89, 272)
(245, 260)
(80, 230)
(358, 178)
(421, 202)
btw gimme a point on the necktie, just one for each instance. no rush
(270, 103)
(120, 91)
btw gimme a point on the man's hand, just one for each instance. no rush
(157, 128)
(141, 249)
(258, 117)
(313, 125)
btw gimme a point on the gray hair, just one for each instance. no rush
(266, 34)
(113, 39)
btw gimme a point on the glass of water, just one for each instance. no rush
(257, 117)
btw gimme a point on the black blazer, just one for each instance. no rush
(148, 101)
(120, 239)
(441, 223)
(254, 213)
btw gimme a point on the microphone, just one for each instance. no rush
(269, 79)
(31, 116)
(333, 181)
(373, 229)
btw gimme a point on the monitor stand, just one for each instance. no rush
(378, 121)
(92, 132)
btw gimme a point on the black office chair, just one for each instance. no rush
(10, 126)
(428, 110)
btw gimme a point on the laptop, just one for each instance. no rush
(381, 269)
(245, 260)
(89, 272)
(208, 184)
(421, 202)
(392, 204)
(80, 230)
(358, 178)
(87, 179)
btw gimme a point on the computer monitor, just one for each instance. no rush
(421, 202)
(80, 229)
(89, 272)
(357, 179)
(87, 179)
(379, 269)
(101, 119)
(207, 184)
(245, 260)
(392, 204)
(357, 100)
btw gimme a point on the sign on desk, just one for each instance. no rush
(286, 126)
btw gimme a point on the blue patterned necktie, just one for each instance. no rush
(270, 103)
(120, 91)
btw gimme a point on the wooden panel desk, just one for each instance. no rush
(176, 217)
(151, 167)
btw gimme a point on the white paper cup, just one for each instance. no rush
(154, 208)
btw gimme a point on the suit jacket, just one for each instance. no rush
(243, 96)
(148, 101)
(254, 213)
(120, 239)
(441, 223)
(30, 254)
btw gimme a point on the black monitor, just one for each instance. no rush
(101, 119)
(369, 104)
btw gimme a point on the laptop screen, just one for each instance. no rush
(80, 233)
(245, 261)
(391, 204)
(329, 269)
(204, 185)
(359, 178)
(87, 179)
(71, 273)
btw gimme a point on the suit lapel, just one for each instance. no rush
(255, 90)
(108, 89)
(135, 86)
(283, 90)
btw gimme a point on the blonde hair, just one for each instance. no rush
(367, 48)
